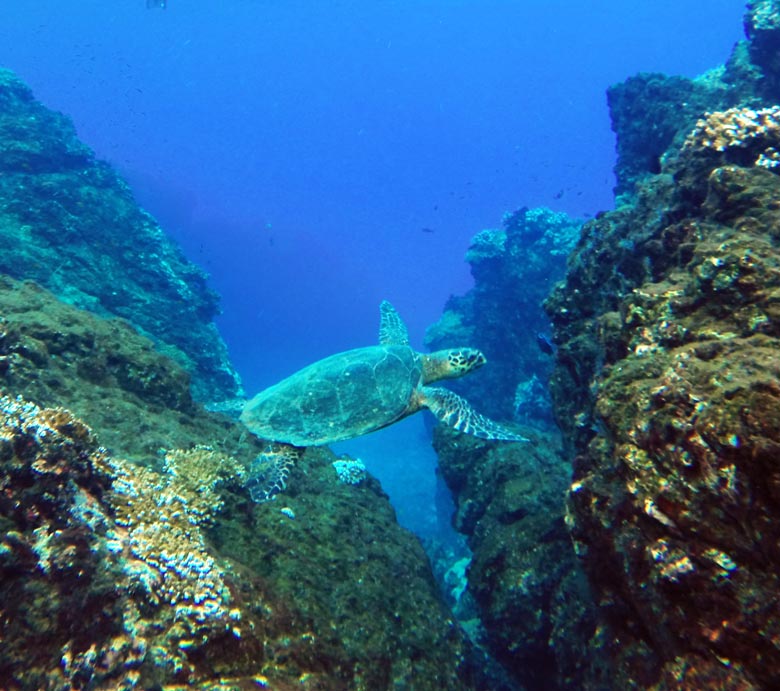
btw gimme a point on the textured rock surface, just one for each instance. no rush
(762, 27)
(652, 113)
(70, 223)
(666, 387)
(656, 99)
(118, 574)
(135, 399)
(531, 595)
(514, 268)
(666, 380)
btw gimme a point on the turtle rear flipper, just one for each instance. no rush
(269, 471)
(456, 412)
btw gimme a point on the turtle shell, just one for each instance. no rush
(340, 397)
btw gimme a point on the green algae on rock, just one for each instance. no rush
(335, 553)
(135, 399)
(176, 582)
(71, 224)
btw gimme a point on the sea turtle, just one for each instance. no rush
(356, 392)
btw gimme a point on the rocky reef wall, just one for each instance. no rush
(514, 268)
(674, 505)
(665, 387)
(665, 390)
(69, 223)
(653, 113)
(536, 616)
(535, 610)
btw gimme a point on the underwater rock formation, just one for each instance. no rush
(666, 389)
(762, 27)
(653, 113)
(666, 375)
(148, 565)
(514, 269)
(69, 223)
(648, 111)
(535, 610)
(530, 595)
(135, 399)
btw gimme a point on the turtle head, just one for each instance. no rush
(451, 364)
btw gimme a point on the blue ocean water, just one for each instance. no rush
(318, 157)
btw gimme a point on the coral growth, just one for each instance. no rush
(114, 576)
(120, 544)
(666, 389)
(742, 132)
(159, 521)
(178, 576)
(53, 561)
(350, 471)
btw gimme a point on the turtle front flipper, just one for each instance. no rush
(269, 471)
(392, 330)
(456, 412)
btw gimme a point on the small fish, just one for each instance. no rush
(162, 4)
(427, 230)
(544, 343)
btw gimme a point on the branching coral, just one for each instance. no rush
(123, 541)
(160, 516)
(196, 473)
(740, 128)
(350, 471)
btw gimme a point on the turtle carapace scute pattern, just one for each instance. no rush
(356, 392)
